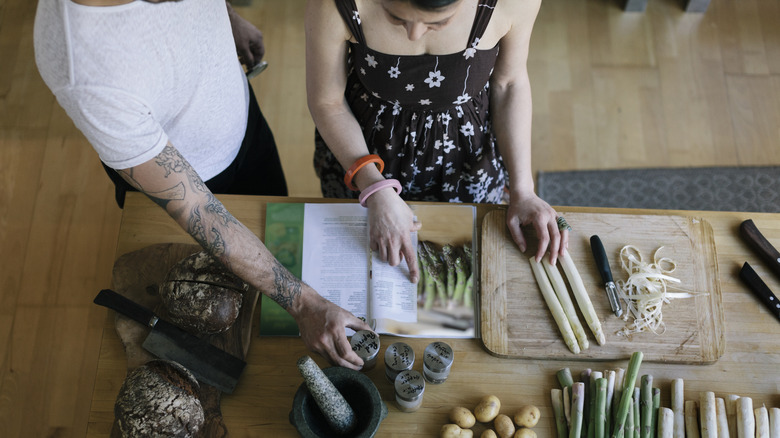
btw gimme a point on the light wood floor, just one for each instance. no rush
(611, 90)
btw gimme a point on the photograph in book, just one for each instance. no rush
(327, 246)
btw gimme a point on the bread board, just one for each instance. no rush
(136, 276)
(515, 321)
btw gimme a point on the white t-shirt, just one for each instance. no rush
(137, 76)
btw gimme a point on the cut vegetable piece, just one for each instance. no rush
(559, 286)
(626, 398)
(708, 419)
(678, 407)
(666, 423)
(646, 290)
(691, 419)
(746, 420)
(554, 305)
(581, 295)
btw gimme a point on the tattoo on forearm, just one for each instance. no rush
(219, 246)
(287, 288)
(175, 193)
(195, 227)
(216, 208)
(172, 162)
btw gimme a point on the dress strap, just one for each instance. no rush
(349, 12)
(484, 12)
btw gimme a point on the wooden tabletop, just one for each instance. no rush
(260, 405)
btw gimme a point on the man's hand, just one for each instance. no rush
(322, 325)
(248, 38)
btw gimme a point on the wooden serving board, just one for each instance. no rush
(516, 322)
(136, 276)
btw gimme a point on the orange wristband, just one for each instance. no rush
(359, 164)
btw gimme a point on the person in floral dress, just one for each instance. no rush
(439, 90)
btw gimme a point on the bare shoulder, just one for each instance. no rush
(516, 13)
(323, 19)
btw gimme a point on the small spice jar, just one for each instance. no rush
(409, 387)
(398, 357)
(366, 344)
(437, 361)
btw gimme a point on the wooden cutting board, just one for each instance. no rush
(136, 276)
(516, 322)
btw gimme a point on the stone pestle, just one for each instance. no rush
(339, 415)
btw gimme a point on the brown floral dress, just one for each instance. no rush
(426, 116)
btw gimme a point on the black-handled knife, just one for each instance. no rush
(602, 262)
(760, 289)
(207, 363)
(761, 245)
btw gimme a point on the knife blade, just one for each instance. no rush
(750, 233)
(602, 262)
(208, 364)
(760, 289)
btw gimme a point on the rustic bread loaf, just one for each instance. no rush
(159, 398)
(201, 295)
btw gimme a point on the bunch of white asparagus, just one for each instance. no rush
(611, 404)
(556, 296)
(713, 417)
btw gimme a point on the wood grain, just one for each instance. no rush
(516, 322)
(261, 404)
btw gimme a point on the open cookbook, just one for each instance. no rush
(327, 246)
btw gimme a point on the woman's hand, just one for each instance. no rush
(529, 209)
(390, 223)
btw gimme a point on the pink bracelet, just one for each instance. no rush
(377, 186)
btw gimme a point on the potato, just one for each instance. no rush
(462, 417)
(504, 426)
(527, 416)
(488, 434)
(466, 433)
(487, 409)
(450, 431)
(524, 432)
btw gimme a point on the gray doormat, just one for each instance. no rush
(753, 189)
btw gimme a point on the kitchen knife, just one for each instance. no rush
(207, 363)
(753, 236)
(602, 262)
(751, 278)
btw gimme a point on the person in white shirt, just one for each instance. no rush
(158, 89)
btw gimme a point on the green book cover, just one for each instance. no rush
(284, 238)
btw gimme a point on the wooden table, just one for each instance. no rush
(261, 404)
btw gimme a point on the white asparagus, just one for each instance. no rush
(723, 421)
(620, 375)
(581, 295)
(691, 419)
(707, 416)
(774, 423)
(746, 421)
(762, 422)
(554, 305)
(610, 376)
(731, 413)
(666, 423)
(678, 407)
(559, 286)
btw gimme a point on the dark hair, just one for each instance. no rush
(431, 5)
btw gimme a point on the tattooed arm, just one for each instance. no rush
(170, 182)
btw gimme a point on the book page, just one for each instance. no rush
(392, 295)
(335, 254)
